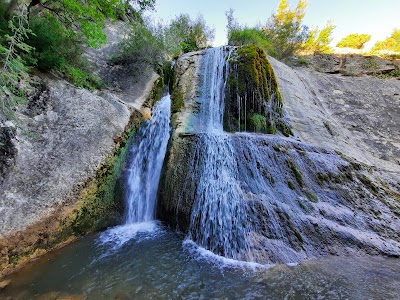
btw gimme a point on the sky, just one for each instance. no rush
(375, 17)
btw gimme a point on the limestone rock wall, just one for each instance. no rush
(333, 188)
(354, 115)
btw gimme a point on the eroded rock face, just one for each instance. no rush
(302, 197)
(351, 64)
(354, 115)
(58, 150)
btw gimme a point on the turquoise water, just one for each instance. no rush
(148, 261)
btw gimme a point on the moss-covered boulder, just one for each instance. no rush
(253, 102)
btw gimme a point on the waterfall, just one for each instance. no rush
(146, 159)
(218, 219)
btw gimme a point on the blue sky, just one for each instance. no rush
(375, 17)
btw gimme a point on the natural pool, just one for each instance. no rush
(148, 261)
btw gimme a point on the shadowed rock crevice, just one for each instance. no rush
(8, 151)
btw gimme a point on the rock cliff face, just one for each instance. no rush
(354, 115)
(351, 64)
(333, 187)
(62, 157)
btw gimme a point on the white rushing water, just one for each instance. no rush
(146, 159)
(218, 220)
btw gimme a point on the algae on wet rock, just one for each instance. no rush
(253, 101)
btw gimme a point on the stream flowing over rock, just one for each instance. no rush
(146, 159)
(269, 198)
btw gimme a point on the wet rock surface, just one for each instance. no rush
(328, 190)
(64, 144)
(302, 201)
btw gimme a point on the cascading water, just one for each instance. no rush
(218, 220)
(147, 156)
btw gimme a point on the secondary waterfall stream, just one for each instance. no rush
(146, 160)
(144, 164)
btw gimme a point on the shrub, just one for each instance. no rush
(55, 46)
(392, 43)
(141, 48)
(257, 122)
(14, 78)
(354, 41)
(318, 41)
(184, 35)
(248, 36)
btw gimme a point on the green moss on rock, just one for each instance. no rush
(296, 173)
(311, 197)
(291, 185)
(253, 101)
(177, 100)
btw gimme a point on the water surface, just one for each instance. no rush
(148, 261)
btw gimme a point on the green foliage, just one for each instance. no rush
(392, 43)
(318, 41)
(283, 35)
(59, 49)
(285, 30)
(249, 36)
(55, 46)
(389, 75)
(87, 17)
(354, 41)
(81, 78)
(184, 35)
(14, 78)
(141, 47)
(242, 35)
(257, 122)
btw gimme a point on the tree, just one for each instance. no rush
(285, 29)
(392, 43)
(232, 22)
(13, 66)
(243, 35)
(86, 16)
(354, 41)
(318, 41)
(185, 35)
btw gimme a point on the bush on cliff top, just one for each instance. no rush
(283, 34)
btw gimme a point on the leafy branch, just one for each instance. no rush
(13, 68)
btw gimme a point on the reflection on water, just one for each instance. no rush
(147, 261)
